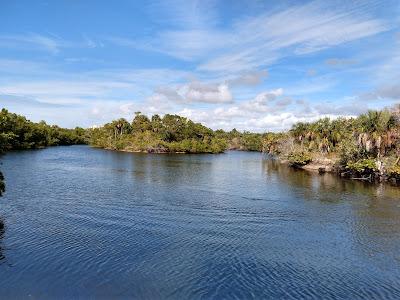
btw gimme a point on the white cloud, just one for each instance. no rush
(270, 111)
(196, 92)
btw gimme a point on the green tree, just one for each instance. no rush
(141, 123)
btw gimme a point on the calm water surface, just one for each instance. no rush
(89, 223)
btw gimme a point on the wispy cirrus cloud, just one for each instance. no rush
(41, 42)
(48, 43)
(195, 14)
(266, 38)
(253, 42)
(13, 100)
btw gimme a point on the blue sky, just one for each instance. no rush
(253, 65)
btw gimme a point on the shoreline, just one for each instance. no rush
(318, 165)
(152, 151)
(326, 165)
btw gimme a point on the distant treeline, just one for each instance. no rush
(170, 133)
(366, 147)
(16, 132)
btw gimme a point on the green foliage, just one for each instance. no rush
(218, 145)
(363, 166)
(324, 135)
(349, 151)
(274, 143)
(252, 141)
(376, 121)
(16, 132)
(394, 171)
(299, 158)
(172, 133)
(359, 147)
(352, 140)
(245, 141)
(141, 123)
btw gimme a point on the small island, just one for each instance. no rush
(170, 134)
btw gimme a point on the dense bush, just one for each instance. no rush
(366, 144)
(16, 132)
(299, 158)
(171, 133)
(363, 166)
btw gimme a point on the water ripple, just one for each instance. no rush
(86, 223)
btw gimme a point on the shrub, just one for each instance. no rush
(299, 158)
(363, 166)
(394, 172)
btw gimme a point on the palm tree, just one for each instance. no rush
(300, 131)
(378, 132)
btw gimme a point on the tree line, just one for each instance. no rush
(364, 147)
(16, 132)
(170, 133)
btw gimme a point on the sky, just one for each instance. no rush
(251, 65)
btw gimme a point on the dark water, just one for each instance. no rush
(89, 223)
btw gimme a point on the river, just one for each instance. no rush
(90, 223)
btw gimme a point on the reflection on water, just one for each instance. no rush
(377, 215)
(85, 222)
(323, 185)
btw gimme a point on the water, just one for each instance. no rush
(90, 223)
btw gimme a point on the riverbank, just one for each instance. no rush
(148, 151)
(364, 148)
(376, 172)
